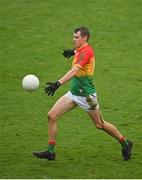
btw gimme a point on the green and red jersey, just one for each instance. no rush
(81, 84)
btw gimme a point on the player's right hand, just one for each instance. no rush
(68, 53)
(51, 88)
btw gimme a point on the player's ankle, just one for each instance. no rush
(51, 146)
(123, 141)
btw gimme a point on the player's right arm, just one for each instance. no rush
(52, 87)
(69, 75)
(82, 59)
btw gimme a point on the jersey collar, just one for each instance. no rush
(78, 49)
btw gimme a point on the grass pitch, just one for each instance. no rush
(32, 36)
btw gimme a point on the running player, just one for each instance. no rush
(82, 93)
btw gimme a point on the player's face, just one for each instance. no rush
(78, 40)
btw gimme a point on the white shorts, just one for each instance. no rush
(87, 103)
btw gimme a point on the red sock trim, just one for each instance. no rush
(52, 142)
(122, 139)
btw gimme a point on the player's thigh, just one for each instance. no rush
(96, 116)
(62, 105)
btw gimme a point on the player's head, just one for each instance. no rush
(81, 36)
(83, 32)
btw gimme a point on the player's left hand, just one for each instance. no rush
(68, 53)
(51, 88)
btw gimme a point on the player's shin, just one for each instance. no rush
(52, 131)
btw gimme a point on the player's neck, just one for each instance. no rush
(83, 45)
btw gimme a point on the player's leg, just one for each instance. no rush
(64, 104)
(101, 124)
(112, 130)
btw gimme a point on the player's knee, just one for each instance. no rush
(51, 116)
(100, 125)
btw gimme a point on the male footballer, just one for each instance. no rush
(82, 93)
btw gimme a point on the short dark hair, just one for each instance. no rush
(83, 31)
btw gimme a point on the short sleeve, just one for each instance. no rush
(83, 57)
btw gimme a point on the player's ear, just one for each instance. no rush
(85, 38)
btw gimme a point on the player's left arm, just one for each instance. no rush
(84, 58)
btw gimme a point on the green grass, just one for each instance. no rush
(32, 36)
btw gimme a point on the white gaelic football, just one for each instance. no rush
(30, 82)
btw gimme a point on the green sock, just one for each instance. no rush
(124, 143)
(51, 147)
